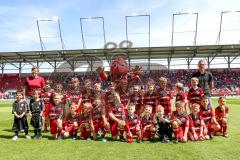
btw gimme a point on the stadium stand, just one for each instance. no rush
(227, 84)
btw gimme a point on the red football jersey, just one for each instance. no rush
(220, 113)
(194, 95)
(33, 84)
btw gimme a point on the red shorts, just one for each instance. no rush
(209, 125)
(53, 126)
(191, 136)
(85, 132)
(221, 123)
(98, 125)
(179, 132)
(147, 134)
(47, 109)
(114, 128)
(69, 128)
(134, 131)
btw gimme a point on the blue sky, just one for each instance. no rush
(18, 29)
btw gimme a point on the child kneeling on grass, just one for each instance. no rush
(132, 124)
(164, 127)
(180, 123)
(196, 124)
(222, 117)
(147, 126)
(86, 123)
(71, 122)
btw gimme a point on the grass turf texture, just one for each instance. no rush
(218, 148)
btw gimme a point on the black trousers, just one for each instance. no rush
(165, 130)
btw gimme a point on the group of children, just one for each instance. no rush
(146, 114)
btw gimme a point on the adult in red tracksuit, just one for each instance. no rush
(32, 83)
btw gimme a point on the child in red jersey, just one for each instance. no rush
(72, 95)
(147, 127)
(99, 119)
(222, 117)
(56, 117)
(195, 93)
(196, 124)
(87, 91)
(137, 98)
(149, 97)
(132, 124)
(47, 98)
(71, 123)
(180, 123)
(164, 96)
(97, 91)
(59, 91)
(116, 114)
(86, 121)
(180, 95)
(208, 115)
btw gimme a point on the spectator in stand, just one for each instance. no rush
(32, 83)
(205, 78)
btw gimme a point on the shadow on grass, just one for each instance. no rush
(7, 130)
(10, 130)
(6, 136)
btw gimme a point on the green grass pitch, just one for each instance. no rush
(218, 148)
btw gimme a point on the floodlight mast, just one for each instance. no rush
(196, 26)
(220, 26)
(82, 29)
(40, 37)
(149, 33)
(54, 19)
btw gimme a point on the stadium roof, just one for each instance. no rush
(132, 53)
